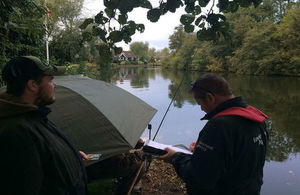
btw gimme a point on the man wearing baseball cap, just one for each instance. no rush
(36, 157)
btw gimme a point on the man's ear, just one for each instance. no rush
(32, 86)
(210, 98)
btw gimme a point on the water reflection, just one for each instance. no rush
(279, 97)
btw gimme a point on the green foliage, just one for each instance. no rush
(21, 29)
(139, 49)
(164, 52)
(105, 55)
(176, 39)
(256, 49)
(65, 11)
(259, 44)
(67, 46)
(288, 39)
(103, 186)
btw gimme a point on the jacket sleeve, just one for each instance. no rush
(204, 167)
(20, 167)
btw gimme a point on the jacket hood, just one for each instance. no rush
(11, 106)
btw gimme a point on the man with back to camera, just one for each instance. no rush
(36, 157)
(229, 154)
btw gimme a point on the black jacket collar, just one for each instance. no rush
(234, 102)
(42, 113)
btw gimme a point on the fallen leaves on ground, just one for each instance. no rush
(161, 178)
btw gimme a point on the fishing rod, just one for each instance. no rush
(168, 108)
(149, 158)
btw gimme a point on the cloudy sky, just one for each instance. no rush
(156, 34)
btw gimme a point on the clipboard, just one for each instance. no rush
(157, 149)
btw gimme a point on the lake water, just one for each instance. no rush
(278, 97)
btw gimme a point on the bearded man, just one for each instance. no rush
(36, 157)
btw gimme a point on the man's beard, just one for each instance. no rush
(42, 99)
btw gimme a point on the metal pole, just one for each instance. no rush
(47, 42)
(149, 128)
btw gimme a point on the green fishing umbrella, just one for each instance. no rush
(97, 116)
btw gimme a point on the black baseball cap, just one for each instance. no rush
(28, 67)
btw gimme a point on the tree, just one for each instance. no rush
(176, 39)
(21, 29)
(139, 49)
(256, 48)
(163, 53)
(65, 12)
(258, 44)
(270, 48)
(66, 43)
(288, 47)
(151, 53)
(67, 46)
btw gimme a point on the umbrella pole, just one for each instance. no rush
(149, 128)
(135, 178)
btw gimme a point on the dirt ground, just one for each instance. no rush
(161, 178)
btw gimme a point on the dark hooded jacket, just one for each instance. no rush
(36, 158)
(229, 154)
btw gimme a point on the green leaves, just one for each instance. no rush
(99, 32)
(122, 19)
(245, 3)
(203, 3)
(131, 27)
(256, 2)
(117, 50)
(223, 5)
(100, 19)
(172, 5)
(189, 28)
(146, 4)
(232, 6)
(86, 23)
(115, 36)
(212, 18)
(197, 10)
(189, 8)
(140, 27)
(153, 14)
(105, 54)
(87, 36)
(198, 20)
(112, 4)
(109, 12)
(187, 19)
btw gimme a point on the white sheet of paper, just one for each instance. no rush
(163, 146)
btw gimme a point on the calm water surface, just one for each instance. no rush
(279, 97)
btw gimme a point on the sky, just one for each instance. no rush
(156, 34)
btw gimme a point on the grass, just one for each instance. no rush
(101, 187)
